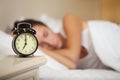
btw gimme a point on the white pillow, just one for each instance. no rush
(54, 24)
(105, 36)
(5, 43)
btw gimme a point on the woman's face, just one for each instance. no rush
(46, 38)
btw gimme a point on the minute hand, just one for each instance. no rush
(25, 42)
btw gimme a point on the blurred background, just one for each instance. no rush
(11, 10)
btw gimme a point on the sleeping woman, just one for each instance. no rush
(75, 50)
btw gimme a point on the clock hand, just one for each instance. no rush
(25, 39)
(25, 42)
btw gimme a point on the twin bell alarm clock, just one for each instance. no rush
(24, 43)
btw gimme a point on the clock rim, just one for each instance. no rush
(19, 53)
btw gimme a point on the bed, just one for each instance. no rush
(54, 70)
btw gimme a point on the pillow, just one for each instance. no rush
(105, 37)
(54, 24)
(5, 44)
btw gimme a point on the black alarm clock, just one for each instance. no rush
(24, 43)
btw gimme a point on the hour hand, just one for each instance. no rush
(24, 45)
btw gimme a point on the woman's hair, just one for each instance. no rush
(31, 21)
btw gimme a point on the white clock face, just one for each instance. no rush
(26, 43)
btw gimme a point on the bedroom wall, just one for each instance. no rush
(110, 10)
(11, 10)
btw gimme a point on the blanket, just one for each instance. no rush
(105, 38)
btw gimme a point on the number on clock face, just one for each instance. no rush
(26, 43)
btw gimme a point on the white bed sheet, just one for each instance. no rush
(46, 73)
(53, 70)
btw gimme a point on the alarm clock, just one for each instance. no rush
(24, 43)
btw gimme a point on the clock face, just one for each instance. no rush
(25, 44)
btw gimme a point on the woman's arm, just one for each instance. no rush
(73, 29)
